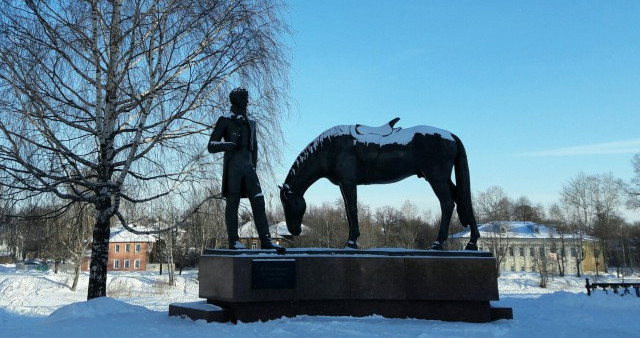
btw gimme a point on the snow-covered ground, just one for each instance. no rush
(40, 304)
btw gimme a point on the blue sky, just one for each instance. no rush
(537, 90)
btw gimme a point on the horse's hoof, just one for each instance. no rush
(471, 246)
(351, 245)
(437, 246)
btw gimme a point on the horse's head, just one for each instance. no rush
(294, 208)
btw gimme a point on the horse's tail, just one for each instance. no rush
(463, 186)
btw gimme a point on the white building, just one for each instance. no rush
(249, 235)
(522, 246)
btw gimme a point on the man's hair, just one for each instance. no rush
(237, 94)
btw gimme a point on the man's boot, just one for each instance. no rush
(265, 238)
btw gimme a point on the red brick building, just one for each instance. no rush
(127, 251)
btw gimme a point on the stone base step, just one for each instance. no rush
(501, 313)
(199, 310)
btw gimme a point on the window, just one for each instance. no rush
(511, 251)
(117, 247)
(116, 264)
(127, 247)
(542, 252)
(513, 268)
(521, 252)
(126, 263)
(532, 251)
(138, 247)
(573, 252)
(522, 268)
(533, 268)
(136, 264)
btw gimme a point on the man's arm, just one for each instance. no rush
(215, 141)
(254, 153)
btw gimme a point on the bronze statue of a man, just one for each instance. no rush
(239, 178)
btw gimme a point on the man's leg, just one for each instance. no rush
(231, 219)
(259, 214)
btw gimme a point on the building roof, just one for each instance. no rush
(248, 230)
(121, 235)
(518, 229)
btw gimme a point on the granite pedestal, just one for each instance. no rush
(252, 285)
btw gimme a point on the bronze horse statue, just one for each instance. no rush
(351, 155)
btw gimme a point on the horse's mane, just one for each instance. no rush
(318, 143)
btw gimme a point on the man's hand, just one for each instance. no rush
(215, 147)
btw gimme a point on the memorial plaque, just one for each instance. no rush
(273, 274)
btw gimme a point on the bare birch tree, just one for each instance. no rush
(593, 202)
(543, 264)
(388, 220)
(524, 210)
(493, 204)
(578, 197)
(75, 237)
(633, 188)
(206, 229)
(497, 236)
(109, 101)
(562, 219)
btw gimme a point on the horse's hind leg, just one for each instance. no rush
(473, 240)
(350, 196)
(443, 191)
(473, 227)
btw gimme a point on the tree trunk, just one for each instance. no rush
(99, 256)
(172, 274)
(76, 275)
(171, 268)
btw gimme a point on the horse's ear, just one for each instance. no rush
(393, 122)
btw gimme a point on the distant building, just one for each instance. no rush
(279, 234)
(523, 244)
(127, 251)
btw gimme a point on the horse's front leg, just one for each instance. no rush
(350, 197)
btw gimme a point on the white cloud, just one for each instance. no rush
(620, 147)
